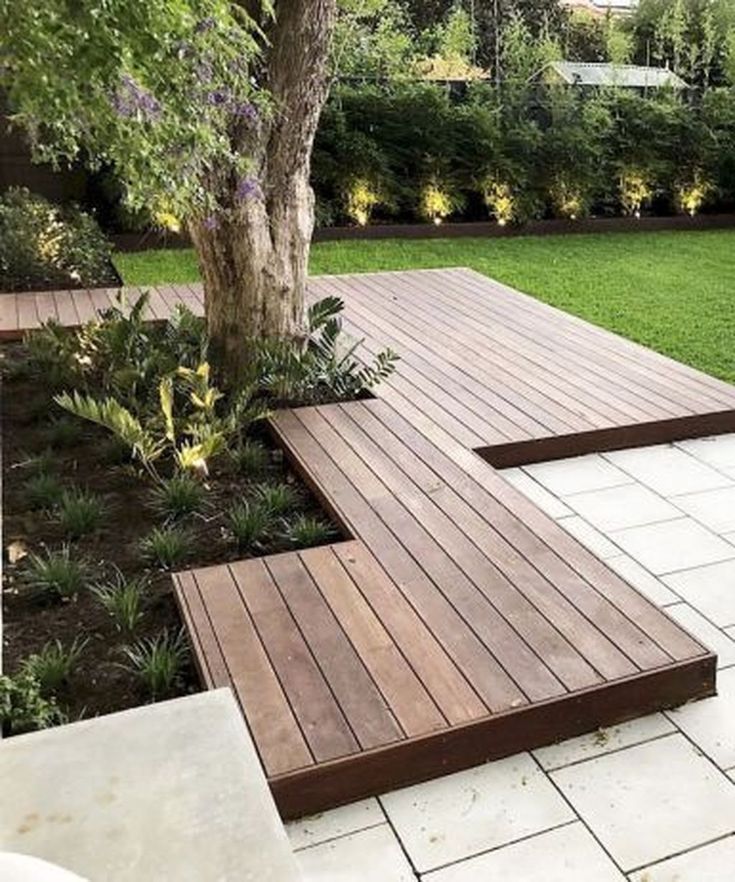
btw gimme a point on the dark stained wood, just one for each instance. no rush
(457, 622)
(461, 747)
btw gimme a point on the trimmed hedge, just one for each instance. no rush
(520, 153)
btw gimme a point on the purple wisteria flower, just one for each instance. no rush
(218, 97)
(131, 99)
(210, 222)
(206, 24)
(248, 188)
(245, 110)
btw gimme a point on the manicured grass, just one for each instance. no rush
(672, 291)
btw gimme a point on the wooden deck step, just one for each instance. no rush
(458, 624)
(348, 691)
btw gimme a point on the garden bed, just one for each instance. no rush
(246, 503)
(153, 240)
(37, 440)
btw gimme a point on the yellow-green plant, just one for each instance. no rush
(192, 433)
(361, 197)
(436, 201)
(636, 188)
(691, 193)
(499, 199)
(567, 198)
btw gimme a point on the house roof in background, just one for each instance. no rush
(631, 76)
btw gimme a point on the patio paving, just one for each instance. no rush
(652, 800)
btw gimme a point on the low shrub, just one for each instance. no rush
(166, 547)
(56, 575)
(278, 499)
(307, 530)
(177, 497)
(158, 662)
(123, 599)
(249, 523)
(43, 491)
(46, 246)
(53, 665)
(79, 512)
(250, 457)
(22, 706)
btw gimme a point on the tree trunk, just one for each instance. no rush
(254, 268)
(254, 257)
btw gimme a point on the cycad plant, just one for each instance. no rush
(324, 366)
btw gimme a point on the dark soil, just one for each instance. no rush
(100, 684)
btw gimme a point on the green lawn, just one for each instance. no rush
(672, 291)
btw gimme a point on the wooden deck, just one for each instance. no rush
(457, 622)
(500, 372)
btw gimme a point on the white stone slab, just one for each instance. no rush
(673, 545)
(714, 862)
(593, 539)
(372, 855)
(713, 508)
(709, 589)
(710, 723)
(552, 505)
(639, 577)
(615, 508)
(603, 741)
(464, 814)
(713, 638)
(564, 476)
(567, 854)
(334, 823)
(717, 450)
(167, 791)
(649, 802)
(668, 470)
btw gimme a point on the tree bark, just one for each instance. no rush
(254, 259)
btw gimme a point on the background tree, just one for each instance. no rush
(208, 110)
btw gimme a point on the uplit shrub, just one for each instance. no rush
(636, 190)
(437, 201)
(693, 192)
(43, 245)
(567, 198)
(499, 199)
(361, 197)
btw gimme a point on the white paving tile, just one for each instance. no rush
(552, 505)
(717, 450)
(597, 543)
(372, 855)
(568, 854)
(643, 581)
(648, 802)
(576, 475)
(461, 815)
(603, 741)
(336, 822)
(709, 589)
(668, 470)
(615, 508)
(713, 508)
(713, 638)
(673, 545)
(714, 862)
(710, 723)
